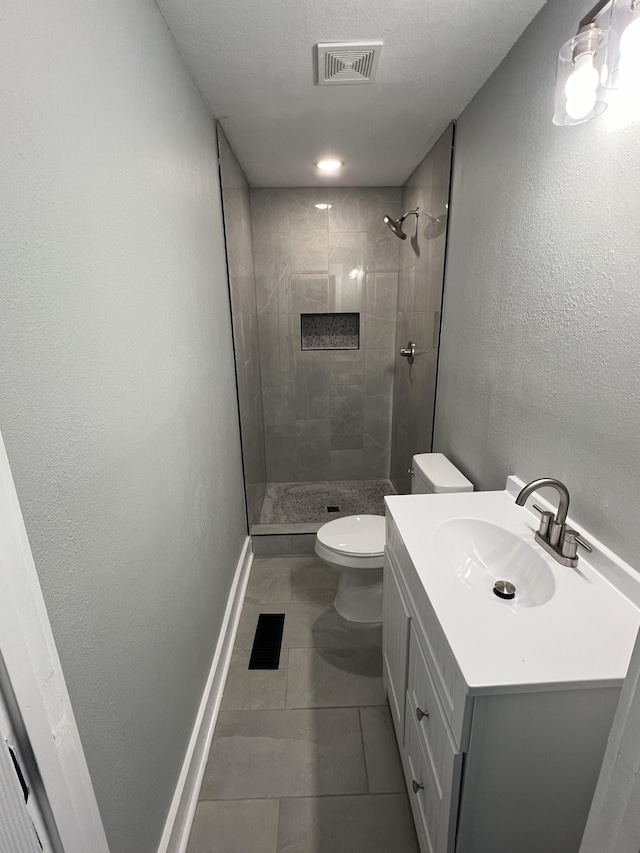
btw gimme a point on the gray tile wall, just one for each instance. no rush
(238, 235)
(420, 285)
(327, 414)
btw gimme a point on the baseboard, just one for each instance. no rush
(183, 806)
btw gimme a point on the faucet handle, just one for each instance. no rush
(569, 544)
(545, 520)
(540, 509)
(549, 528)
(583, 542)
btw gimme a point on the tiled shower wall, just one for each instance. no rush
(327, 414)
(237, 223)
(422, 257)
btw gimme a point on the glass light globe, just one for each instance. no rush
(630, 54)
(623, 46)
(630, 41)
(578, 95)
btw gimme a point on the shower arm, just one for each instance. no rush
(415, 213)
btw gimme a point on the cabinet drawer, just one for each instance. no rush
(424, 705)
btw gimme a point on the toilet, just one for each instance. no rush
(355, 545)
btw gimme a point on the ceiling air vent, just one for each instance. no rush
(342, 63)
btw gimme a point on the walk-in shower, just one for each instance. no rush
(322, 299)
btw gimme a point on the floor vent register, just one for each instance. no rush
(267, 642)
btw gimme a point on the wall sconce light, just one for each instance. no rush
(603, 55)
(622, 63)
(578, 90)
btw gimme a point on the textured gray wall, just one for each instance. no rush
(242, 284)
(327, 414)
(419, 304)
(117, 391)
(540, 362)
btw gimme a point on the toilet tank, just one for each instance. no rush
(434, 474)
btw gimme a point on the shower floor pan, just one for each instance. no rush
(304, 507)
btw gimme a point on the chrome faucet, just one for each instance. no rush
(553, 533)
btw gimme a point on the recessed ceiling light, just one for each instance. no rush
(323, 206)
(329, 165)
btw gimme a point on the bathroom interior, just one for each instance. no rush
(320, 397)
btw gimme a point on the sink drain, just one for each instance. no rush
(504, 589)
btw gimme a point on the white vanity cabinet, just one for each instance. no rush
(489, 769)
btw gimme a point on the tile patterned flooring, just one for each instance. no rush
(300, 503)
(304, 758)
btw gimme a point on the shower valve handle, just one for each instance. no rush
(409, 352)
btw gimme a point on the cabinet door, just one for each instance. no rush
(442, 758)
(395, 645)
(422, 787)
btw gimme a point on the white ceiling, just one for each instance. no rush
(254, 63)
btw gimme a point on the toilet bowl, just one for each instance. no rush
(354, 545)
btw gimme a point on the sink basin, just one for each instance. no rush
(481, 553)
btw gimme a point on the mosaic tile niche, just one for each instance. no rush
(330, 331)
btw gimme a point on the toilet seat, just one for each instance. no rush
(356, 540)
(354, 535)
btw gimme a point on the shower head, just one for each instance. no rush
(396, 224)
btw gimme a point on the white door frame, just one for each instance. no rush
(38, 686)
(22, 826)
(613, 825)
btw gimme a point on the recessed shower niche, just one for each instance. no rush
(330, 331)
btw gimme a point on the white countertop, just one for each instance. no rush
(583, 636)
